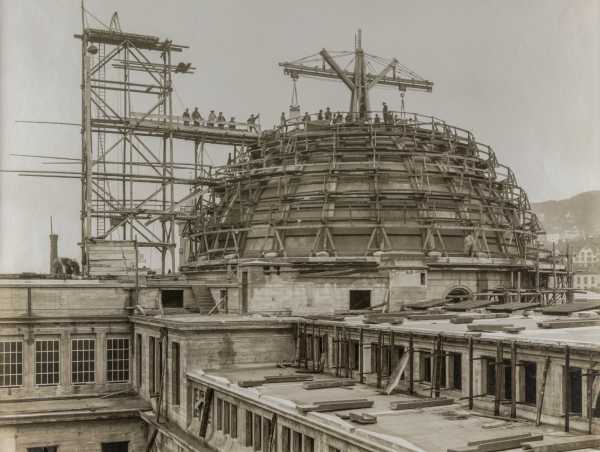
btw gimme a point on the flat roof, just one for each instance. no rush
(69, 408)
(433, 429)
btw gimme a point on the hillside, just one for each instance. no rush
(579, 215)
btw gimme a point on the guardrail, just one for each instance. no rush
(180, 121)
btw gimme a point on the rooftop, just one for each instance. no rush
(409, 429)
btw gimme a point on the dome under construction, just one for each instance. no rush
(362, 183)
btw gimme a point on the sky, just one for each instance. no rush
(523, 75)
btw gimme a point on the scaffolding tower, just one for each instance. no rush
(139, 175)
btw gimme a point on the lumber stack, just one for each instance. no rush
(335, 405)
(498, 443)
(324, 384)
(400, 405)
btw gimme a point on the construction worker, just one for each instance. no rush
(339, 118)
(252, 122)
(306, 117)
(327, 114)
(211, 119)
(377, 119)
(186, 117)
(196, 117)
(320, 115)
(221, 120)
(385, 113)
(348, 117)
(282, 120)
(232, 123)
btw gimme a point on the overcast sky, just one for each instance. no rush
(524, 76)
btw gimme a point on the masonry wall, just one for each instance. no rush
(63, 331)
(75, 436)
(211, 347)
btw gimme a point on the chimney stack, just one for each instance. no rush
(53, 247)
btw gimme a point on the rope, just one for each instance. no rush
(96, 19)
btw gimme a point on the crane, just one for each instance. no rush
(362, 78)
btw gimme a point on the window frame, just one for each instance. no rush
(127, 361)
(18, 377)
(47, 363)
(93, 360)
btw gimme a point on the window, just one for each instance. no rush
(171, 298)
(423, 278)
(257, 432)
(456, 370)
(226, 418)
(296, 442)
(11, 364)
(233, 415)
(83, 361)
(47, 362)
(43, 449)
(575, 383)
(530, 383)
(425, 367)
(120, 446)
(249, 429)
(266, 434)
(176, 368)
(219, 414)
(117, 360)
(138, 360)
(286, 439)
(151, 369)
(360, 299)
(309, 444)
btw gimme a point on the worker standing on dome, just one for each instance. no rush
(221, 120)
(327, 114)
(196, 117)
(211, 119)
(186, 117)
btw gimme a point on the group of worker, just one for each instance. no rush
(338, 118)
(219, 120)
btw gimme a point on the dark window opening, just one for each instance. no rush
(286, 439)
(120, 446)
(257, 432)
(575, 379)
(490, 388)
(360, 299)
(226, 418)
(172, 298)
(266, 434)
(426, 367)
(456, 370)
(223, 300)
(44, 449)
(176, 368)
(138, 360)
(219, 414)
(151, 364)
(234, 419)
(249, 429)
(423, 278)
(309, 444)
(354, 355)
(297, 442)
(506, 378)
(530, 383)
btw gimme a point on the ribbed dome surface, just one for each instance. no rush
(352, 189)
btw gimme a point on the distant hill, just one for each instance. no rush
(572, 218)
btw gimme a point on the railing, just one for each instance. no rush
(204, 123)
